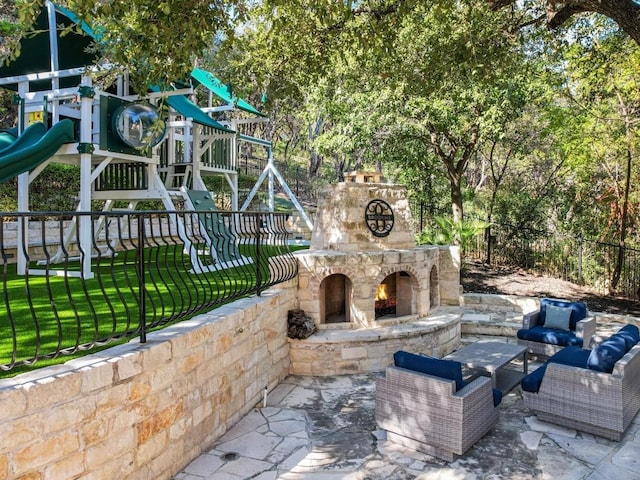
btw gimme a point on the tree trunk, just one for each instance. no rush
(456, 200)
(617, 273)
(338, 165)
(314, 159)
(456, 164)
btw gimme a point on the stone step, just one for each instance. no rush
(498, 324)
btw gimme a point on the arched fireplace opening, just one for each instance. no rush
(394, 296)
(336, 293)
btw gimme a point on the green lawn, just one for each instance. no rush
(54, 316)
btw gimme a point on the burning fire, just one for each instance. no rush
(381, 293)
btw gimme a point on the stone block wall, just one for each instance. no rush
(508, 305)
(449, 275)
(349, 351)
(340, 220)
(144, 411)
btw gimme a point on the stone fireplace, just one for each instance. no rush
(364, 278)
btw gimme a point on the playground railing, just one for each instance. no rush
(146, 269)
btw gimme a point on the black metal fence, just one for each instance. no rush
(606, 267)
(78, 281)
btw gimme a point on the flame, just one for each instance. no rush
(381, 293)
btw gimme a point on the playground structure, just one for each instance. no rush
(65, 118)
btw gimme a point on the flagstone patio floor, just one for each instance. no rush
(323, 428)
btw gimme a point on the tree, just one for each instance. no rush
(441, 74)
(626, 13)
(605, 85)
(461, 77)
(156, 41)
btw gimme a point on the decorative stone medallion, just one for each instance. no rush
(379, 217)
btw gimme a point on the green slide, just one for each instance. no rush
(7, 137)
(222, 239)
(34, 146)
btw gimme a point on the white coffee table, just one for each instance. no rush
(495, 359)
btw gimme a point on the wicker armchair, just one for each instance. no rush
(425, 413)
(544, 341)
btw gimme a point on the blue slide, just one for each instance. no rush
(33, 147)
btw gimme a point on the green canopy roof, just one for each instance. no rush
(222, 91)
(35, 50)
(188, 109)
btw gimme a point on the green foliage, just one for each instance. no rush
(55, 189)
(446, 97)
(157, 42)
(446, 231)
(402, 85)
(604, 91)
(8, 28)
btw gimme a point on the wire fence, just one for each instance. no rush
(78, 281)
(608, 268)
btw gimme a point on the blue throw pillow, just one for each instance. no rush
(631, 335)
(557, 317)
(449, 369)
(604, 357)
(578, 310)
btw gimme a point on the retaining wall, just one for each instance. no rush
(144, 411)
(347, 351)
(488, 314)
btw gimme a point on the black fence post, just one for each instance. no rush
(258, 253)
(142, 307)
(487, 233)
(580, 258)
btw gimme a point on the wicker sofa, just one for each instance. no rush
(544, 336)
(595, 391)
(439, 416)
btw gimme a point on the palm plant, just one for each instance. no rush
(446, 231)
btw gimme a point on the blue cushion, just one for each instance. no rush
(497, 394)
(631, 335)
(531, 383)
(604, 357)
(579, 310)
(572, 356)
(497, 397)
(552, 336)
(449, 369)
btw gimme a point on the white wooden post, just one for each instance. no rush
(85, 148)
(55, 65)
(270, 185)
(23, 190)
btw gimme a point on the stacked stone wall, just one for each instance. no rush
(340, 221)
(449, 262)
(144, 411)
(349, 351)
(503, 304)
